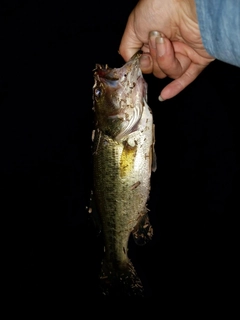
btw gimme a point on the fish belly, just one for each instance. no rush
(121, 186)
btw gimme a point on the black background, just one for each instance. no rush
(48, 52)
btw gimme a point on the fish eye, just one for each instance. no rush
(98, 92)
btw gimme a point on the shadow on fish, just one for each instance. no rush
(123, 159)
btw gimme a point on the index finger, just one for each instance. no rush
(129, 44)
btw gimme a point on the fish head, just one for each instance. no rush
(118, 97)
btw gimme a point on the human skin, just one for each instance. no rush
(168, 33)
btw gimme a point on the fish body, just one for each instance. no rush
(123, 159)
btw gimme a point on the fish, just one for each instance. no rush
(123, 159)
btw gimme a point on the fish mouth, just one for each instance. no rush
(131, 70)
(128, 73)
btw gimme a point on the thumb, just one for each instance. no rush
(129, 44)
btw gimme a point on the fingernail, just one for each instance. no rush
(144, 61)
(160, 46)
(160, 98)
(154, 34)
(152, 37)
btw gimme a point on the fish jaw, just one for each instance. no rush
(118, 96)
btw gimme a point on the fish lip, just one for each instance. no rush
(132, 69)
(129, 70)
(135, 57)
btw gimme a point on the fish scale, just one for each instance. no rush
(120, 204)
(123, 159)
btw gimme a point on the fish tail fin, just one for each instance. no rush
(120, 281)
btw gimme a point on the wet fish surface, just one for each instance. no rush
(123, 159)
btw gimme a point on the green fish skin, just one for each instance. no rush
(123, 159)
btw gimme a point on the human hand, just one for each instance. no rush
(167, 31)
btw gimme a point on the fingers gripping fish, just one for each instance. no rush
(123, 159)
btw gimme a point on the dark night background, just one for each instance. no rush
(48, 52)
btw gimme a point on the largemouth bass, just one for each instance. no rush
(123, 159)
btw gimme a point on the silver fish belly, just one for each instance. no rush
(123, 159)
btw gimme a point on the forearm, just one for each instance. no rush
(219, 22)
